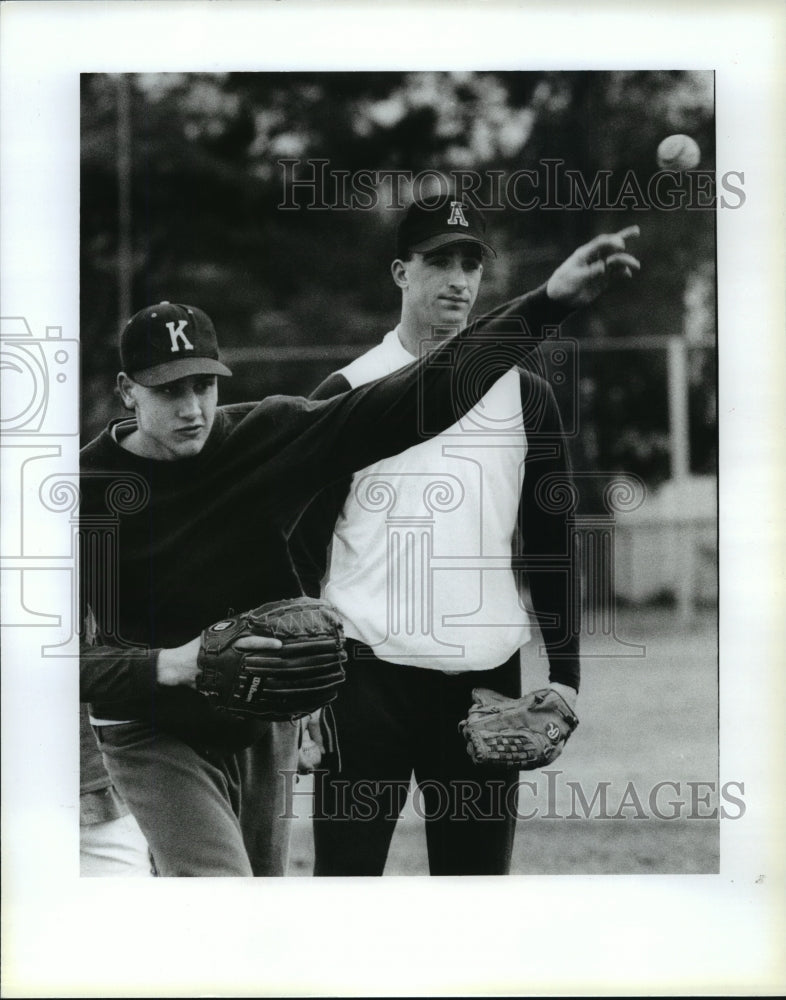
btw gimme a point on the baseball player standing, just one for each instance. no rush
(421, 638)
(185, 512)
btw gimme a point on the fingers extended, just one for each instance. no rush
(257, 642)
(607, 243)
(629, 232)
(622, 262)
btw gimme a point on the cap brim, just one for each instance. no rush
(444, 239)
(171, 371)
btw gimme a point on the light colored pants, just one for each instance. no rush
(204, 813)
(114, 848)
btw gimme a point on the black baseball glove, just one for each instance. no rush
(287, 683)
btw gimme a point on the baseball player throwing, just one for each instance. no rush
(186, 508)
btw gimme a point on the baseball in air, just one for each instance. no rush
(678, 152)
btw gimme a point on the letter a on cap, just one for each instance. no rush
(457, 215)
(176, 335)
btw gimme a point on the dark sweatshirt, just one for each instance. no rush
(168, 547)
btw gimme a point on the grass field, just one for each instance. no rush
(642, 721)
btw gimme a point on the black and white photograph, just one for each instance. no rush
(336, 227)
(377, 511)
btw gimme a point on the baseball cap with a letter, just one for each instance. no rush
(429, 225)
(169, 341)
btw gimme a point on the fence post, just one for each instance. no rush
(680, 466)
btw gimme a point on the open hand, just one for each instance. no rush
(590, 270)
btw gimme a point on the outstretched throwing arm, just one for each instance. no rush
(593, 268)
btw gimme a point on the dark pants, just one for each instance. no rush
(203, 813)
(394, 721)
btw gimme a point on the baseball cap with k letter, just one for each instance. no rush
(168, 341)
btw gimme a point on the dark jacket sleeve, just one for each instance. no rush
(310, 541)
(112, 673)
(519, 326)
(108, 673)
(545, 548)
(319, 442)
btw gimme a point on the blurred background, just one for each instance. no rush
(181, 192)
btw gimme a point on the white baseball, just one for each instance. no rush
(678, 152)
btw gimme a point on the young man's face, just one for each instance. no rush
(174, 419)
(440, 287)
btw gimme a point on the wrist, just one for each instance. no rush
(569, 693)
(178, 665)
(166, 668)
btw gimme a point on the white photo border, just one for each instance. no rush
(588, 935)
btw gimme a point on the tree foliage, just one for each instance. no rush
(206, 187)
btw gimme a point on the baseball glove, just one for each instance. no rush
(518, 733)
(287, 683)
